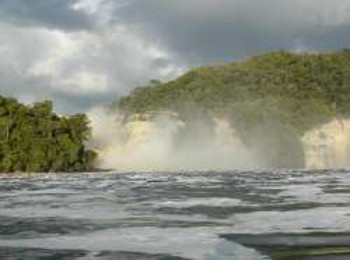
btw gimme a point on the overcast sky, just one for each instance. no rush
(84, 53)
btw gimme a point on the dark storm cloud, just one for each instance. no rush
(57, 14)
(205, 31)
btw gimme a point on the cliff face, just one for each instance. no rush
(328, 146)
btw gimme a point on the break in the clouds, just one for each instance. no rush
(82, 53)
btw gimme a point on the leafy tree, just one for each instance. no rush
(35, 139)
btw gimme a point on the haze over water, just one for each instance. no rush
(209, 215)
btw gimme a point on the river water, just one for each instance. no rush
(213, 215)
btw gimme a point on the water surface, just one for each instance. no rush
(213, 215)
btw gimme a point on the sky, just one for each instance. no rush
(87, 53)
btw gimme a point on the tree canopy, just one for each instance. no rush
(297, 89)
(35, 139)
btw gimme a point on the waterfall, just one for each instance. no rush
(328, 146)
(163, 142)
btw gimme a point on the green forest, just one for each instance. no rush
(35, 139)
(297, 89)
(275, 97)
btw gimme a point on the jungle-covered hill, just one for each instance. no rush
(298, 89)
(276, 96)
(35, 139)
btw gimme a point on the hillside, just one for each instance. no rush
(274, 97)
(309, 87)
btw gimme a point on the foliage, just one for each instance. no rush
(35, 139)
(271, 99)
(298, 90)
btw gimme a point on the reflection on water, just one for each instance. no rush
(231, 215)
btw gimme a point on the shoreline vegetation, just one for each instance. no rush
(275, 97)
(35, 139)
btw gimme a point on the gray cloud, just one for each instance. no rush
(57, 14)
(82, 53)
(77, 69)
(215, 31)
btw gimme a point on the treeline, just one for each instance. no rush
(270, 99)
(298, 90)
(35, 139)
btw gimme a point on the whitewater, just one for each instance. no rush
(197, 215)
